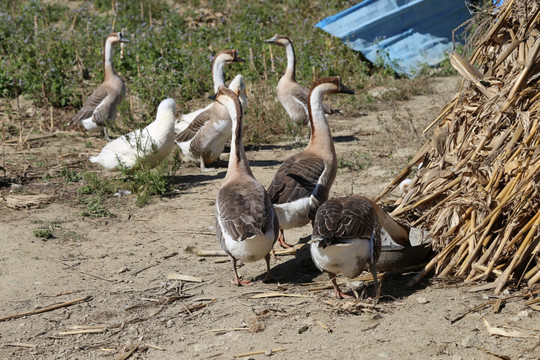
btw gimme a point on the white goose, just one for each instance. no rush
(204, 139)
(347, 236)
(293, 96)
(151, 144)
(223, 58)
(246, 225)
(303, 181)
(101, 105)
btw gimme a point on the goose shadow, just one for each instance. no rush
(263, 147)
(345, 138)
(297, 270)
(264, 163)
(188, 181)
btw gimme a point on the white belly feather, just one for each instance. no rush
(348, 258)
(90, 125)
(293, 214)
(251, 249)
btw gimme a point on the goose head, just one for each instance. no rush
(239, 87)
(331, 85)
(279, 40)
(117, 37)
(228, 57)
(166, 110)
(226, 97)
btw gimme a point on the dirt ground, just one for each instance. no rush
(122, 269)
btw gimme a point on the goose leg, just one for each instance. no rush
(376, 290)
(281, 240)
(268, 276)
(338, 293)
(237, 281)
(204, 168)
(106, 134)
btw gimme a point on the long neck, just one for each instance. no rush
(238, 161)
(107, 60)
(291, 61)
(321, 138)
(164, 119)
(217, 74)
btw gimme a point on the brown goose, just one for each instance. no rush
(347, 236)
(222, 58)
(101, 105)
(303, 181)
(246, 225)
(204, 139)
(293, 96)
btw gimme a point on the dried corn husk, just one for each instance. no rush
(478, 191)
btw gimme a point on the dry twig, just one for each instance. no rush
(48, 308)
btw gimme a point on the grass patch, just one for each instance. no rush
(141, 180)
(44, 234)
(70, 175)
(52, 54)
(356, 162)
(98, 185)
(95, 208)
(145, 181)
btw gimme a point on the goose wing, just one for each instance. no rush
(299, 177)
(300, 95)
(100, 105)
(243, 210)
(347, 218)
(195, 126)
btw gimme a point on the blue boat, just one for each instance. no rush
(406, 34)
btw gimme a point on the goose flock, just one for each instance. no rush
(249, 218)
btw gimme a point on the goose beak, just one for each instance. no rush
(213, 97)
(272, 40)
(121, 37)
(345, 90)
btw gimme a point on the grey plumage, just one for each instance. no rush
(347, 236)
(100, 107)
(246, 224)
(297, 178)
(303, 181)
(293, 96)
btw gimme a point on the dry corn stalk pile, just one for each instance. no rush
(478, 191)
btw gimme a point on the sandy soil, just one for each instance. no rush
(121, 266)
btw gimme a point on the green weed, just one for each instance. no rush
(98, 185)
(96, 209)
(70, 175)
(146, 181)
(358, 161)
(44, 234)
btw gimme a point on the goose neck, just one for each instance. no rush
(107, 59)
(238, 161)
(217, 74)
(321, 137)
(291, 61)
